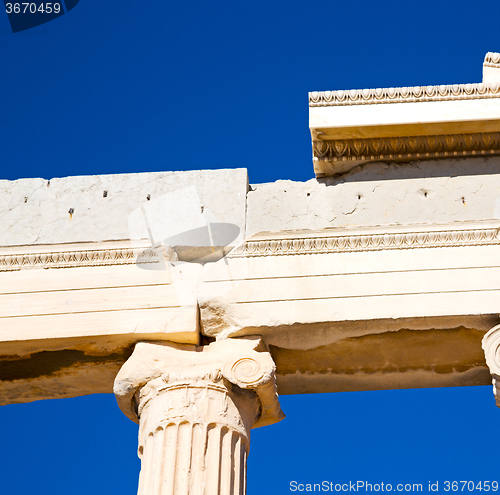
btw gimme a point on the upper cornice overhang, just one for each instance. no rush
(349, 128)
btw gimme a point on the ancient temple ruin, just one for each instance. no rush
(200, 298)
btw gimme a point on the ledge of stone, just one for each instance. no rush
(171, 208)
(352, 127)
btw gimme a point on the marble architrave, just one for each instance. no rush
(353, 309)
(90, 265)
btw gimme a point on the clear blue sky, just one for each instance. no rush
(119, 86)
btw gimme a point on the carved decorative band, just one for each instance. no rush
(492, 60)
(367, 242)
(167, 382)
(404, 95)
(73, 259)
(412, 147)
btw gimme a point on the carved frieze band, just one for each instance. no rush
(492, 59)
(73, 259)
(485, 143)
(367, 242)
(405, 95)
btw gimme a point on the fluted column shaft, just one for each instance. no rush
(195, 407)
(193, 438)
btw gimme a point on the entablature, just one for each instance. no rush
(353, 127)
(362, 308)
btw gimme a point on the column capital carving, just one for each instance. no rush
(155, 367)
(491, 347)
(195, 407)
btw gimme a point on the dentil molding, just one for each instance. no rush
(413, 94)
(492, 60)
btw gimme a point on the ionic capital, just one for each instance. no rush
(195, 407)
(242, 362)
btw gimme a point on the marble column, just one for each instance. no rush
(195, 407)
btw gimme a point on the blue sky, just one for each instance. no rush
(116, 87)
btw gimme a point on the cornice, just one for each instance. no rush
(492, 59)
(412, 147)
(408, 94)
(314, 243)
(69, 257)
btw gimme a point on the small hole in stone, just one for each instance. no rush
(105, 194)
(148, 197)
(26, 199)
(284, 191)
(48, 183)
(425, 193)
(308, 194)
(463, 200)
(359, 196)
(71, 211)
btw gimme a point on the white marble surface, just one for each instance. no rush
(434, 191)
(99, 208)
